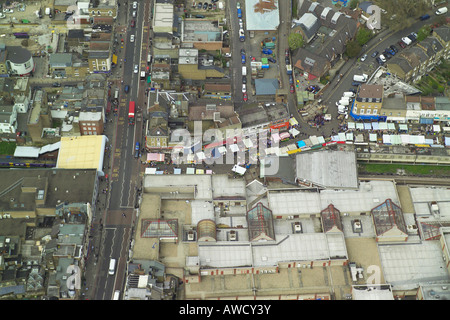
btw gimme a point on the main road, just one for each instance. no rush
(125, 177)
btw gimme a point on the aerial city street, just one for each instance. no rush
(225, 150)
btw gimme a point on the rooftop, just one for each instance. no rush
(262, 15)
(328, 169)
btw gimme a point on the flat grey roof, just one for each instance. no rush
(330, 169)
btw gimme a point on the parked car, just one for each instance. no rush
(291, 79)
(242, 51)
(200, 5)
(380, 62)
(267, 51)
(56, 85)
(286, 52)
(243, 58)
(238, 5)
(244, 79)
(356, 83)
(292, 88)
(132, 38)
(126, 89)
(245, 97)
(394, 48)
(402, 44)
(364, 57)
(136, 68)
(424, 17)
(272, 60)
(374, 54)
(135, 5)
(352, 90)
(205, 6)
(210, 6)
(244, 88)
(133, 23)
(387, 55)
(382, 57)
(442, 10)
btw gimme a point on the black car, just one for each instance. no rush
(199, 6)
(244, 79)
(210, 6)
(387, 54)
(205, 6)
(291, 79)
(394, 48)
(356, 83)
(56, 85)
(242, 51)
(352, 90)
(126, 88)
(374, 54)
(411, 37)
(287, 60)
(272, 60)
(379, 61)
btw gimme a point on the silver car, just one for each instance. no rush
(136, 68)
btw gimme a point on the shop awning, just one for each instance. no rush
(248, 143)
(382, 125)
(234, 148)
(359, 126)
(294, 132)
(114, 59)
(284, 135)
(375, 126)
(190, 171)
(293, 121)
(176, 171)
(368, 126)
(391, 126)
(222, 149)
(351, 125)
(200, 171)
(373, 137)
(201, 155)
(403, 126)
(150, 170)
(436, 128)
(158, 157)
(238, 169)
(349, 136)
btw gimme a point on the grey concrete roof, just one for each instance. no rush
(330, 169)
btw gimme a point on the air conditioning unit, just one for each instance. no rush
(190, 236)
(233, 235)
(290, 217)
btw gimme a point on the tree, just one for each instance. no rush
(423, 33)
(295, 41)
(354, 4)
(400, 14)
(363, 36)
(353, 49)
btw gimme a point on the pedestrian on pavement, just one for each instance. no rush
(123, 215)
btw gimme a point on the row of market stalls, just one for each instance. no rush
(178, 171)
(390, 126)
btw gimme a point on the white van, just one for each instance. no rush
(343, 102)
(116, 94)
(407, 40)
(116, 295)
(441, 11)
(112, 267)
(348, 94)
(244, 71)
(149, 58)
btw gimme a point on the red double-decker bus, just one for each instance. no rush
(131, 109)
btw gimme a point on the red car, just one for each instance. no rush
(292, 88)
(286, 52)
(245, 97)
(402, 44)
(133, 23)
